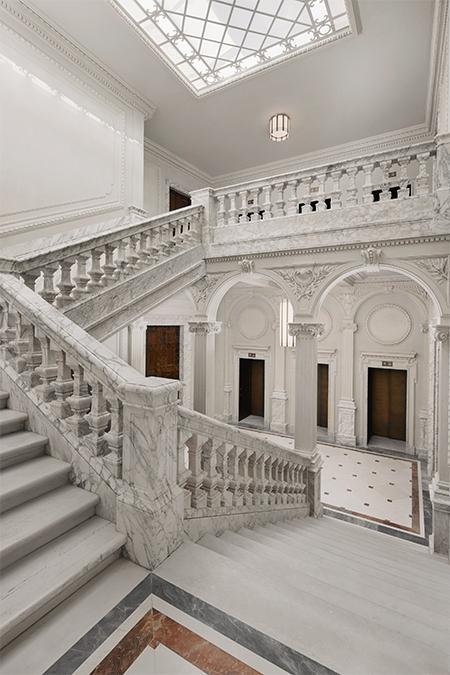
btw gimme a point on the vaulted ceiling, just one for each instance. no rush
(373, 82)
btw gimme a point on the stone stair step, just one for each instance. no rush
(40, 581)
(296, 618)
(11, 420)
(4, 396)
(20, 446)
(21, 482)
(37, 522)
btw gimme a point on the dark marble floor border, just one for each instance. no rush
(373, 525)
(254, 640)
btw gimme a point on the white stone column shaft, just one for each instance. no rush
(201, 330)
(346, 406)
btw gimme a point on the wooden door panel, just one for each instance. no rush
(163, 352)
(257, 388)
(387, 403)
(244, 388)
(251, 388)
(322, 395)
(178, 200)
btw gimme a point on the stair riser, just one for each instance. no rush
(10, 426)
(20, 549)
(3, 402)
(17, 497)
(45, 604)
(22, 455)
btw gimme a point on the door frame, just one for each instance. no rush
(406, 362)
(328, 357)
(261, 354)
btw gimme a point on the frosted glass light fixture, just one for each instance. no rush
(279, 127)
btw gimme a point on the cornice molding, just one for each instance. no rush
(439, 40)
(37, 30)
(170, 158)
(329, 249)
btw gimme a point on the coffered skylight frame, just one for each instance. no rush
(211, 44)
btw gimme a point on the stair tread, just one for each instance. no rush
(304, 622)
(34, 580)
(35, 517)
(20, 445)
(20, 475)
(11, 418)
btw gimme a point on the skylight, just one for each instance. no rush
(210, 43)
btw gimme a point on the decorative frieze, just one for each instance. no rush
(305, 280)
(247, 266)
(204, 327)
(306, 330)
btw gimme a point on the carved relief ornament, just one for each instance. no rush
(305, 281)
(306, 330)
(204, 327)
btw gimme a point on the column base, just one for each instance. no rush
(346, 411)
(440, 500)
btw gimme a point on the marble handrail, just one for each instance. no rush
(66, 274)
(81, 379)
(222, 466)
(395, 174)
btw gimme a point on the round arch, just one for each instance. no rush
(400, 267)
(236, 277)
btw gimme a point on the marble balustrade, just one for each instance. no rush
(66, 275)
(399, 174)
(222, 466)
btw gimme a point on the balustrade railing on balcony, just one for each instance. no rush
(66, 274)
(391, 175)
(221, 467)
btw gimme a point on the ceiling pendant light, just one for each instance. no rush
(279, 127)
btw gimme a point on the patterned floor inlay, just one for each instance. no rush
(379, 488)
(156, 629)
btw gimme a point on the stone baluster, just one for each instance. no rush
(221, 213)
(33, 354)
(48, 292)
(181, 225)
(234, 485)
(260, 479)
(267, 202)
(278, 200)
(292, 200)
(80, 403)
(163, 243)
(336, 192)
(351, 198)
(151, 247)
(385, 166)
(62, 386)
(108, 266)
(47, 370)
(195, 481)
(65, 284)
(223, 482)
(254, 206)
(243, 211)
(306, 196)
(95, 272)
(7, 328)
(98, 420)
(132, 255)
(30, 277)
(80, 277)
(233, 213)
(422, 181)
(368, 186)
(244, 477)
(121, 263)
(321, 205)
(183, 472)
(20, 346)
(404, 163)
(114, 437)
(252, 482)
(210, 483)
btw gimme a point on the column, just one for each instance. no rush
(279, 393)
(440, 486)
(306, 335)
(227, 387)
(346, 408)
(201, 330)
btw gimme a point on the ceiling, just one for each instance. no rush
(371, 83)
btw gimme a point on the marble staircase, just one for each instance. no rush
(52, 543)
(346, 599)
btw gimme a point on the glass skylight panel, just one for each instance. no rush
(210, 43)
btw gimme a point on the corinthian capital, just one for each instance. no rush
(441, 333)
(205, 327)
(306, 330)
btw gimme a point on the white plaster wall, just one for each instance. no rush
(70, 150)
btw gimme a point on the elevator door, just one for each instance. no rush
(387, 403)
(251, 388)
(322, 395)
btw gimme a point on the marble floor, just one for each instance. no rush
(370, 486)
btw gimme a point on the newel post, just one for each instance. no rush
(150, 507)
(206, 198)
